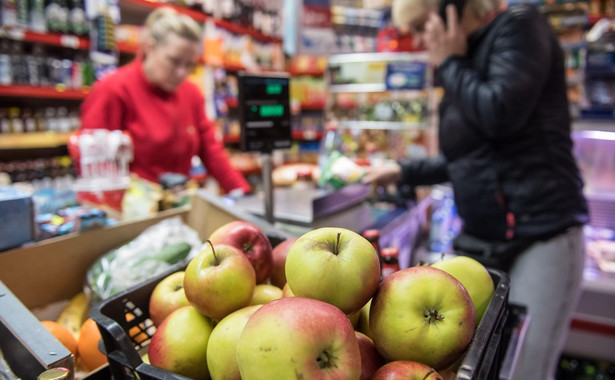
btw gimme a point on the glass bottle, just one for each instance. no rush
(390, 261)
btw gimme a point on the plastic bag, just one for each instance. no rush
(156, 249)
(340, 171)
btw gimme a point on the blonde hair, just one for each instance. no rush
(403, 11)
(165, 20)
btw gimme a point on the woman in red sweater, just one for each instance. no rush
(163, 112)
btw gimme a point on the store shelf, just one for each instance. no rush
(53, 39)
(307, 136)
(296, 135)
(389, 125)
(200, 17)
(42, 92)
(33, 140)
(313, 106)
(307, 73)
(358, 87)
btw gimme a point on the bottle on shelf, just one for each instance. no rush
(8, 13)
(17, 126)
(37, 21)
(22, 13)
(18, 68)
(6, 74)
(56, 14)
(77, 18)
(373, 236)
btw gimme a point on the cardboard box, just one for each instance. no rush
(54, 270)
(15, 217)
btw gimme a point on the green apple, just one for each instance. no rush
(474, 276)
(422, 314)
(180, 343)
(278, 275)
(167, 297)
(264, 293)
(371, 360)
(334, 265)
(222, 347)
(364, 319)
(406, 370)
(298, 338)
(219, 280)
(354, 318)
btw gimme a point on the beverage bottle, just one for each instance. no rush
(37, 16)
(18, 67)
(8, 13)
(373, 236)
(6, 72)
(77, 18)
(28, 120)
(390, 261)
(5, 123)
(17, 126)
(22, 13)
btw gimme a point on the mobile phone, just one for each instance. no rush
(459, 4)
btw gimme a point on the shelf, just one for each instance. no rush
(307, 136)
(307, 73)
(202, 17)
(33, 140)
(42, 92)
(53, 39)
(358, 87)
(393, 125)
(296, 135)
(313, 106)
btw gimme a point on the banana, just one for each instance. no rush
(75, 313)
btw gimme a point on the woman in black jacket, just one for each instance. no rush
(505, 144)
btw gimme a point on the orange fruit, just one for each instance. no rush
(90, 355)
(135, 332)
(62, 334)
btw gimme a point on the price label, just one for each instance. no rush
(69, 41)
(16, 34)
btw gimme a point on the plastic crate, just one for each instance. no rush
(123, 340)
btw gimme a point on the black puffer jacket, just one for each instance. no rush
(505, 133)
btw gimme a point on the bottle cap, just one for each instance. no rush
(371, 234)
(54, 374)
(389, 252)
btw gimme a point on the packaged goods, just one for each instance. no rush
(155, 250)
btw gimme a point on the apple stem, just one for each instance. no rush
(214, 252)
(431, 371)
(337, 243)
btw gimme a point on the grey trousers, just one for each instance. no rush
(547, 279)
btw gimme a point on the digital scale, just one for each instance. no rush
(264, 117)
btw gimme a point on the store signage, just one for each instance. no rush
(264, 112)
(406, 75)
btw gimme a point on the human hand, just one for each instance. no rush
(383, 175)
(444, 41)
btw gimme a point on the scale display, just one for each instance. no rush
(264, 112)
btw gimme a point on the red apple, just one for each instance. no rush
(251, 241)
(180, 343)
(406, 370)
(167, 297)
(278, 275)
(219, 280)
(371, 360)
(298, 338)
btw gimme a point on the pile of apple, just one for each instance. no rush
(227, 316)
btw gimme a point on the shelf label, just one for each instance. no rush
(69, 41)
(15, 33)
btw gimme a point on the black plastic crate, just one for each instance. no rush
(123, 339)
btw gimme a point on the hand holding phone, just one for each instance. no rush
(459, 4)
